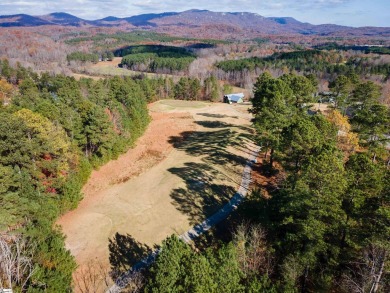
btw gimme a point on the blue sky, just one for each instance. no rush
(343, 12)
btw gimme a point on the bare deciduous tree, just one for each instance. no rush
(253, 254)
(367, 274)
(16, 266)
(92, 277)
(130, 282)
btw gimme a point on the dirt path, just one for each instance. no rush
(186, 166)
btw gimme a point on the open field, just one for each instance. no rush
(188, 164)
(110, 68)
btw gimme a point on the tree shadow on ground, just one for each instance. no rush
(222, 124)
(212, 145)
(217, 147)
(125, 252)
(202, 196)
(242, 138)
(213, 124)
(216, 115)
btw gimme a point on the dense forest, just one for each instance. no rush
(311, 61)
(365, 49)
(138, 36)
(157, 59)
(83, 57)
(54, 130)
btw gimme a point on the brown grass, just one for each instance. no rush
(135, 194)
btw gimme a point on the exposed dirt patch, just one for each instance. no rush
(264, 180)
(188, 163)
(86, 221)
(151, 148)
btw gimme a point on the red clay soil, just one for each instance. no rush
(151, 148)
(263, 181)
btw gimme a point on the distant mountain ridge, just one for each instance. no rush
(198, 22)
(62, 18)
(21, 20)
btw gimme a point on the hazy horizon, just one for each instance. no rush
(355, 13)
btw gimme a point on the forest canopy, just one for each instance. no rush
(53, 131)
(309, 61)
(157, 59)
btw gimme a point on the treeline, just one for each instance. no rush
(160, 50)
(328, 219)
(309, 61)
(14, 75)
(53, 131)
(131, 37)
(150, 62)
(107, 55)
(157, 59)
(187, 88)
(322, 225)
(90, 57)
(365, 49)
(137, 37)
(83, 57)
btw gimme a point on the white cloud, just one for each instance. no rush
(104, 7)
(306, 10)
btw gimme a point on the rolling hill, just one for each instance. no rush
(201, 23)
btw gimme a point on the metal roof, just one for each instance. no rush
(235, 97)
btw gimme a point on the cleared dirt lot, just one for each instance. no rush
(188, 163)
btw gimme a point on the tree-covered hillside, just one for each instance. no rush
(53, 131)
(310, 61)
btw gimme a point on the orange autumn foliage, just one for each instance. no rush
(6, 91)
(347, 140)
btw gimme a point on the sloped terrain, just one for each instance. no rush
(201, 23)
(186, 166)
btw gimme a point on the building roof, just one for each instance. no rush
(235, 97)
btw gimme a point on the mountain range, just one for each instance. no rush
(189, 22)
